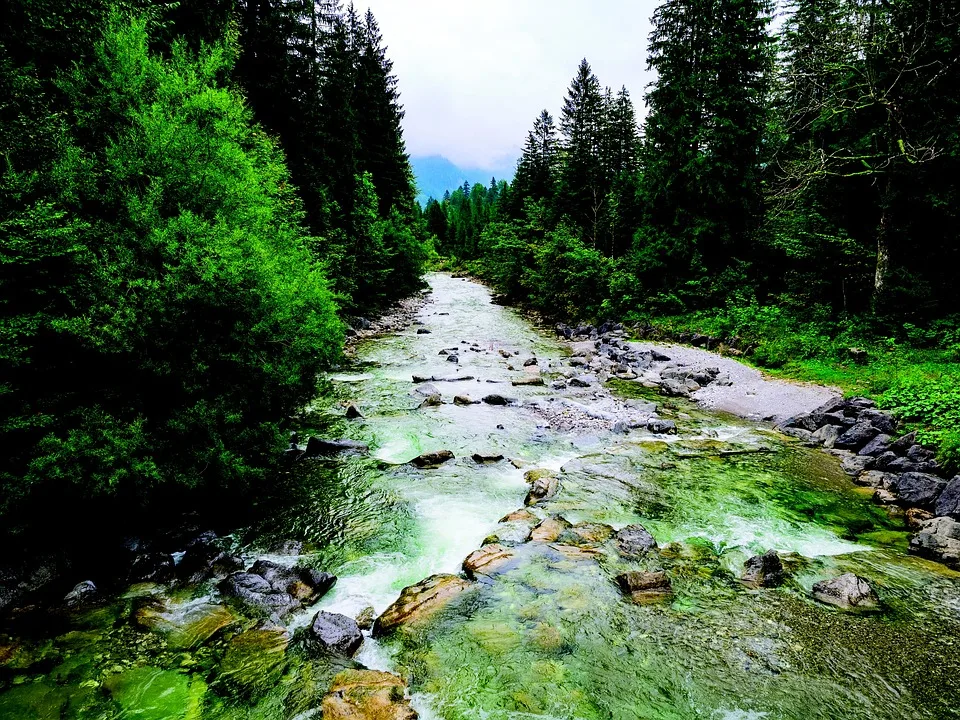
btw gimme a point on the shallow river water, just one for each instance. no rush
(551, 636)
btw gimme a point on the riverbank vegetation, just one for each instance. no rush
(793, 189)
(193, 199)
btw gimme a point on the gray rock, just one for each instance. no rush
(254, 594)
(435, 400)
(880, 420)
(949, 501)
(673, 388)
(82, 594)
(333, 634)
(806, 421)
(662, 427)
(634, 541)
(495, 399)
(464, 400)
(366, 617)
(827, 435)
(875, 479)
(903, 444)
(764, 570)
(583, 381)
(857, 436)
(529, 362)
(856, 464)
(878, 446)
(902, 465)
(848, 591)
(918, 489)
(938, 539)
(453, 359)
(154, 567)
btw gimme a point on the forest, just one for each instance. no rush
(196, 198)
(792, 190)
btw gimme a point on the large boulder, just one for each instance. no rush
(848, 591)
(856, 437)
(204, 558)
(642, 586)
(659, 426)
(367, 695)
(495, 399)
(270, 589)
(764, 570)
(634, 541)
(949, 501)
(333, 634)
(918, 489)
(419, 602)
(938, 539)
(185, 626)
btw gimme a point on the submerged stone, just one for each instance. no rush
(255, 661)
(185, 627)
(642, 586)
(549, 530)
(419, 602)
(367, 695)
(848, 591)
(149, 693)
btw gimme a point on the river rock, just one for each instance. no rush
(764, 570)
(483, 459)
(875, 479)
(353, 412)
(949, 501)
(453, 359)
(857, 436)
(83, 593)
(670, 387)
(320, 448)
(464, 400)
(634, 541)
(255, 660)
(549, 529)
(938, 539)
(662, 427)
(643, 586)
(878, 446)
(432, 459)
(333, 634)
(486, 561)
(543, 487)
(916, 517)
(186, 626)
(435, 400)
(419, 602)
(918, 489)
(280, 592)
(367, 695)
(495, 399)
(521, 515)
(853, 465)
(586, 534)
(827, 435)
(848, 591)
(904, 443)
(583, 381)
(427, 390)
(880, 420)
(203, 559)
(366, 617)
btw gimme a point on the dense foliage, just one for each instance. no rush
(168, 288)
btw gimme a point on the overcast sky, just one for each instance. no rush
(474, 75)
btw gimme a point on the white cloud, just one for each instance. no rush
(473, 76)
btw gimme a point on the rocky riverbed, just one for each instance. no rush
(484, 519)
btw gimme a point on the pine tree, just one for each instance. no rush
(536, 174)
(583, 185)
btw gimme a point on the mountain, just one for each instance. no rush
(435, 175)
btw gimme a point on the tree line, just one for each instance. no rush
(813, 169)
(193, 199)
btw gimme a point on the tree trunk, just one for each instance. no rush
(883, 250)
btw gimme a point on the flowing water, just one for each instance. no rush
(552, 636)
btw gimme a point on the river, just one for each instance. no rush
(551, 636)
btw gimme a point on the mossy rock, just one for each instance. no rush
(149, 693)
(254, 661)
